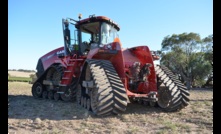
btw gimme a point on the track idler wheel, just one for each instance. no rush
(37, 90)
(67, 96)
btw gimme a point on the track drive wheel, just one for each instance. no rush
(37, 90)
(67, 96)
(172, 94)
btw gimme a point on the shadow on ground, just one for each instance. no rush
(27, 107)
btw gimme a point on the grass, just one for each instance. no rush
(19, 76)
(133, 130)
(19, 79)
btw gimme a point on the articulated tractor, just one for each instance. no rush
(93, 69)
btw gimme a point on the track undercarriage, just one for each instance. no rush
(172, 94)
(48, 88)
(101, 91)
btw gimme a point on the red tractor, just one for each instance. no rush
(94, 69)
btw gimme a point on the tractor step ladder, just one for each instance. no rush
(69, 71)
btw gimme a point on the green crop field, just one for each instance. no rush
(19, 76)
(19, 79)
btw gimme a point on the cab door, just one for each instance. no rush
(70, 37)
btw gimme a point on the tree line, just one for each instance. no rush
(190, 57)
(22, 70)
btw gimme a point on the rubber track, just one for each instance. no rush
(112, 97)
(178, 92)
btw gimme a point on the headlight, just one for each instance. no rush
(101, 45)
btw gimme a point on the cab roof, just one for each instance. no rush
(93, 18)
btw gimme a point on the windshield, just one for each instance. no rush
(108, 33)
(88, 34)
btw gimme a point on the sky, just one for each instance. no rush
(35, 26)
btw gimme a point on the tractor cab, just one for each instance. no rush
(83, 35)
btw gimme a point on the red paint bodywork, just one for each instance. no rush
(51, 58)
(141, 54)
(122, 60)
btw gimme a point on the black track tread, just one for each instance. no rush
(112, 97)
(178, 92)
(185, 97)
(185, 92)
(175, 80)
(185, 102)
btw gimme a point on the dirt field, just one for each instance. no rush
(20, 74)
(28, 115)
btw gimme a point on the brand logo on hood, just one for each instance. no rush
(60, 52)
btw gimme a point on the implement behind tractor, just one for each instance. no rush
(93, 69)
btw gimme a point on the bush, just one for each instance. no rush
(200, 83)
(33, 76)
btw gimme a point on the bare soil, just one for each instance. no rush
(28, 115)
(20, 74)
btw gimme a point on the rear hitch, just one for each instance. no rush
(151, 97)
